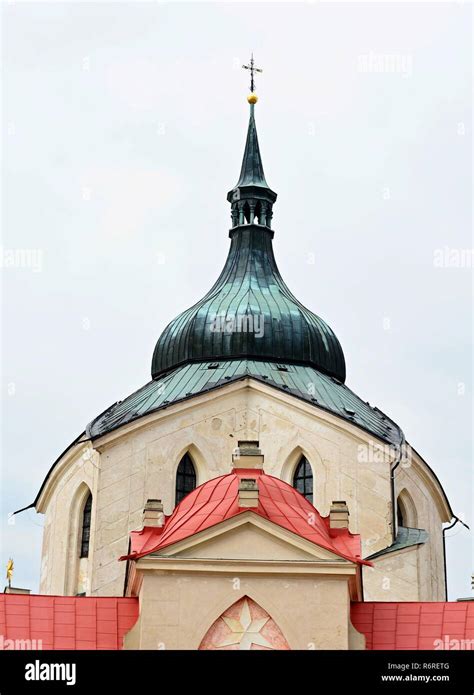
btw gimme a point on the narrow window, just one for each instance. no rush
(303, 479)
(185, 478)
(406, 510)
(400, 519)
(86, 527)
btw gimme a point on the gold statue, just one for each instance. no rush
(10, 568)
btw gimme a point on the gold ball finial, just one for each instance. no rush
(252, 98)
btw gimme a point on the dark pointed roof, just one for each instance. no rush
(251, 173)
(250, 313)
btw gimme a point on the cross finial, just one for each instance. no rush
(253, 70)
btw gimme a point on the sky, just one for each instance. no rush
(123, 127)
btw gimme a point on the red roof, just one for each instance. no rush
(73, 622)
(218, 500)
(414, 625)
(67, 622)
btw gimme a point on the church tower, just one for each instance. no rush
(245, 494)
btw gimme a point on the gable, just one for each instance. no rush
(249, 537)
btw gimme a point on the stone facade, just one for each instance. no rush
(138, 461)
(306, 590)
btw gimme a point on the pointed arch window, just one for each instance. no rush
(185, 478)
(303, 479)
(406, 510)
(400, 519)
(86, 527)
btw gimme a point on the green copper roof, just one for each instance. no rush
(265, 320)
(251, 173)
(250, 313)
(406, 538)
(300, 381)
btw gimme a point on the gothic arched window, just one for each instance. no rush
(406, 510)
(400, 519)
(86, 527)
(303, 479)
(185, 478)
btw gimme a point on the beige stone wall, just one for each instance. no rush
(139, 462)
(62, 572)
(177, 609)
(394, 577)
(429, 517)
(416, 573)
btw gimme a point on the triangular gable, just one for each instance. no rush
(248, 536)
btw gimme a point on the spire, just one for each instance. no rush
(251, 173)
(252, 199)
(249, 314)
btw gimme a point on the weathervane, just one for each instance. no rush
(253, 69)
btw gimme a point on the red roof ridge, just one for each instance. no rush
(217, 500)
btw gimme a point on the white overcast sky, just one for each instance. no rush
(123, 129)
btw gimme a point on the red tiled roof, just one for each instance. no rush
(414, 625)
(67, 622)
(73, 622)
(218, 500)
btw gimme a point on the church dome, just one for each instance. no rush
(250, 313)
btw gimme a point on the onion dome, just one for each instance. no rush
(250, 313)
(218, 499)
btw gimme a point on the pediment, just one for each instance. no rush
(249, 537)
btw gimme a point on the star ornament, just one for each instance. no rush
(245, 631)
